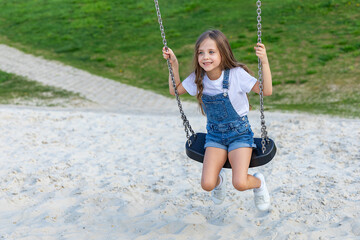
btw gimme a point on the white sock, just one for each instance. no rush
(261, 183)
(220, 182)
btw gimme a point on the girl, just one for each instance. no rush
(221, 84)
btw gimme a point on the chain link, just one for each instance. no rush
(262, 116)
(186, 123)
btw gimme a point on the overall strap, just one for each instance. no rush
(226, 82)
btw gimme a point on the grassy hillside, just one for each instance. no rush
(313, 46)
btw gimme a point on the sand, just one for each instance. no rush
(80, 174)
(114, 167)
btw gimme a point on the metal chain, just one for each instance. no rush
(262, 116)
(186, 123)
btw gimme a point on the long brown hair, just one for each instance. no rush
(228, 60)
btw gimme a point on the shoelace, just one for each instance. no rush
(218, 193)
(260, 199)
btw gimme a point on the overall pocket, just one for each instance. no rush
(215, 110)
(242, 128)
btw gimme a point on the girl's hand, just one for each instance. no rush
(169, 54)
(260, 51)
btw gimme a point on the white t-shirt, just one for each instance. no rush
(240, 83)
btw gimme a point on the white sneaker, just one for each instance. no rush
(261, 195)
(219, 192)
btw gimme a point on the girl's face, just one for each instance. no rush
(209, 57)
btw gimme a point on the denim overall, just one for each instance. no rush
(226, 129)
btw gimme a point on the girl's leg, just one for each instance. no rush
(240, 160)
(214, 160)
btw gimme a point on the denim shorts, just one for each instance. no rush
(230, 136)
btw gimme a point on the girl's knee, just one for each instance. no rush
(240, 185)
(208, 185)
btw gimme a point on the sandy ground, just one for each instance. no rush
(72, 174)
(115, 168)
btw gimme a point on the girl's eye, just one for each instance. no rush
(211, 52)
(201, 53)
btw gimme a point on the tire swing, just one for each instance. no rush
(265, 147)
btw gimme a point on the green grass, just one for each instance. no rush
(313, 46)
(19, 90)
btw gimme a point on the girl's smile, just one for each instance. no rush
(209, 58)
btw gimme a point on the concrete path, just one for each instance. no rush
(106, 93)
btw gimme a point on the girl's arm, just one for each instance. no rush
(169, 54)
(266, 73)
